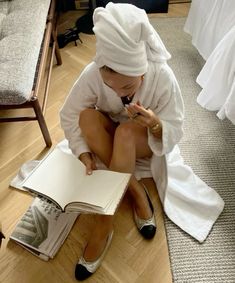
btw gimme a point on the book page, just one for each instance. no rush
(100, 187)
(54, 177)
(62, 177)
(111, 205)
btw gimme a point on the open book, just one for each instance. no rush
(43, 228)
(62, 178)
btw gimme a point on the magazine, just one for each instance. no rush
(62, 178)
(43, 228)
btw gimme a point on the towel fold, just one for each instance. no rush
(125, 39)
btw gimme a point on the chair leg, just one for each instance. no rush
(57, 54)
(57, 50)
(42, 122)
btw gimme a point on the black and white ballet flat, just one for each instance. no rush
(85, 269)
(146, 227)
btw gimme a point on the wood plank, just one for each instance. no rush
(130, 258)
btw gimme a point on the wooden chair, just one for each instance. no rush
(49, 48)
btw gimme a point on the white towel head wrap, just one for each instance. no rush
(125, 39)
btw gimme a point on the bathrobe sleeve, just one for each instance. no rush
(168, 105)
(81, 96)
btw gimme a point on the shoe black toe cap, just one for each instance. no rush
(148, 231)
(81, 273)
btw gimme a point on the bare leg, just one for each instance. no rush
(117, 154)
(118, 150)
(124, 158)
(96, 243)
(98, 131)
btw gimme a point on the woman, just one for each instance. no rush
(125, 111)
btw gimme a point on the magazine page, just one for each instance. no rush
(34, 252)
(42, 225)
(62, 238)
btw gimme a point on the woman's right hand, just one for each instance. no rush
(88, 160)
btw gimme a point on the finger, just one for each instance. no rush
(130, 112)
(135, 115)
(93, 165)
(93, 156)
(132, 109)
(135, 108)
(89, 169)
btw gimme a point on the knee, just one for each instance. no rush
(87, 121)
(125, 132)
(90, 123)
(85, 117)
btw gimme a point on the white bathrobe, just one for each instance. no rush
(186, 199)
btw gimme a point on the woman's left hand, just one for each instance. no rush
(141, 115)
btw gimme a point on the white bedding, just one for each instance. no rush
(217, 79)
(211, 24)
(208, 22)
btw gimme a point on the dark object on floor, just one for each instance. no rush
(150, 6)
(85, 23)
(71, 34)
(65, 5)
(1, 237)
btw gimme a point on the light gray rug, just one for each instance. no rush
(208, 147)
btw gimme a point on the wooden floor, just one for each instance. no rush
(130, 258)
